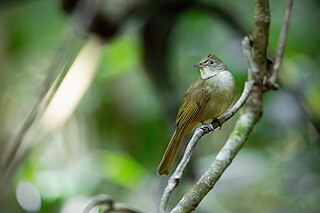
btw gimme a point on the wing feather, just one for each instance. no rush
(192, 104)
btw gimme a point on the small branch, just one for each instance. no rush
(110, 204)
(98, 201)
(247, 49)
(201, 131)
(281, 45)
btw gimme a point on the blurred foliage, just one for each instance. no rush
(116, 136)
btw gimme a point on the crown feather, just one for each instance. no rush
(218, 63)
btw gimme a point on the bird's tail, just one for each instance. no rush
(170, 154)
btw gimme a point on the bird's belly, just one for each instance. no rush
(213, 110)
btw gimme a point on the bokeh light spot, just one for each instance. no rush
(28, 196)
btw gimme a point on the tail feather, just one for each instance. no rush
(170, 154)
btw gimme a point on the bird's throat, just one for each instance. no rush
(207, 73)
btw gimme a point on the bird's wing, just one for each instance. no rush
(192, 103)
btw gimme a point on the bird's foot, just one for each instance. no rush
(207, 128)
(217, 122)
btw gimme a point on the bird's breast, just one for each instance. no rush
(222, 91)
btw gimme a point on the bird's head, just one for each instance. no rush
(210, 66)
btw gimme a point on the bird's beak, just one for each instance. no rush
(198, 65)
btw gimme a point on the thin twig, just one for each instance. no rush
(199, 132)
(98, 201)
(248, 54)
(281, 44)
(110, 204)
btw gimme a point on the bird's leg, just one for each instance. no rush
(216, 121)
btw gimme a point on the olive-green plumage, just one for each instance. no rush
(207, 98)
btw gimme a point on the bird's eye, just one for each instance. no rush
(211, 62)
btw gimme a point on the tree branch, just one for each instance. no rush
(281, 45)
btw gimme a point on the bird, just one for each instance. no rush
(207, 98)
